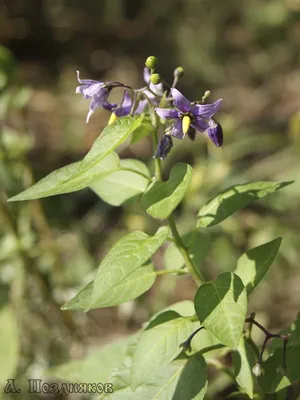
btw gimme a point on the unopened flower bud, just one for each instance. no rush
(151, 62)
(164, 147)
(215, 133)
(257, 370)
(178, 72)
(155, 79)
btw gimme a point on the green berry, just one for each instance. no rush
(155, 79)
(151, 62)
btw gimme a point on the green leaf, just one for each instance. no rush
(95, 164)
(121, 185)
(120, 276)
(197, 245)
(131, 287)
(192, 383)
(254, 264)
(144, 130)
(68, 179)
(9, 345)
(274, 378)
(161, 198)
(95, 367)
(157, 347)
(234, 198)
(162, 318)
(221, 306)
(244, 359)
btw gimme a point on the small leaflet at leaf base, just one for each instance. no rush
(161, 198)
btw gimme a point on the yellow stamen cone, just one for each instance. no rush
(186, 122)
(112, 118)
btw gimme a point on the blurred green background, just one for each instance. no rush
(245, 51)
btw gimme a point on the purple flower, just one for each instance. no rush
(186, 114)
(97, 91)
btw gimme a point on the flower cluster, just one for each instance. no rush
(179, 116)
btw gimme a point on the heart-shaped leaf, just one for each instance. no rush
(254, 264)
(161, 198)
(221, 306)
(234, 198)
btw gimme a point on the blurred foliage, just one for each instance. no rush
(246, 52)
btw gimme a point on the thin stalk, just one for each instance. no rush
(170, 271)
(196, 274)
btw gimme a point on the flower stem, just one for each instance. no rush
(196, 274)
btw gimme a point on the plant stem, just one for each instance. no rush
(196, 275)
(170, 271)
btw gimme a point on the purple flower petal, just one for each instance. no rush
(177, 129)
(167, 113)
(181, 102)
(200, 125)
(109, 106)
(86, 81)
(146, 75)
(215, 132)
(206, 110)
(141, 107)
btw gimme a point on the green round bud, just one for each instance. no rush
(151, 62)
(155, 79)
(207, 94)
(178, 72)
(257, 369)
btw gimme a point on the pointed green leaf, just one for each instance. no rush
(275, 378)
(192, 383)
(197, 245)
(9, 345)
(121, 185)
(234, 198)
(125, 257)
(129, 288)
(254, 264)
(221, 306)
(157, 347)
(69, 179)
(244, 359)
(95, 367)
(161, 198)
(95, 164)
